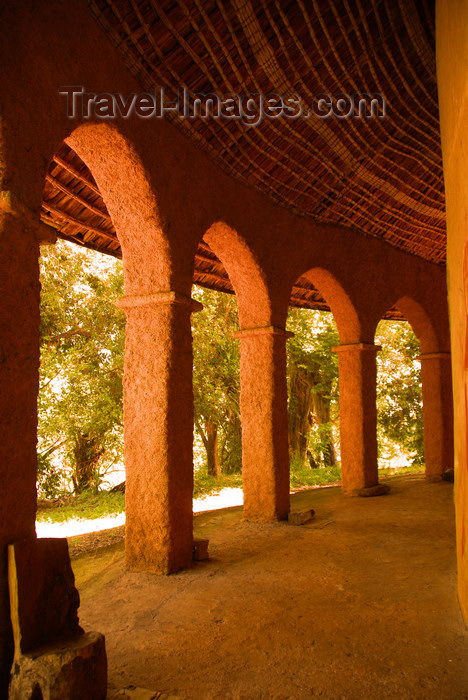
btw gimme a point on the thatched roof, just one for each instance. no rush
(380, 176)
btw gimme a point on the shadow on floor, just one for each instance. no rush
(358, 603)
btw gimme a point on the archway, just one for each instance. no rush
(399, 397)
(315, 367)
(158, 365)
(313, 413)
(436, 391)
(216, 383)
(263, 396)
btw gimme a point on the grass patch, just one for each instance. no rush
(87, 506)
(304, 477)
(412, 469)
(205, 485)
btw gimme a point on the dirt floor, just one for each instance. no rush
(358, 603)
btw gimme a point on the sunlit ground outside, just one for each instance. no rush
(392, 459)
(227, 498)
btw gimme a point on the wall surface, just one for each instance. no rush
(452, 77)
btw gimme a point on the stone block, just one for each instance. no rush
(54, 659)
(43, 596)
(75, 669)
(134, 693)
(299, 517)
(378, 490)
(200, 550)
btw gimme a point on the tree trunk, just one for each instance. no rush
(230, 450)
(300, 406)
(211, 446)
(307, 405)
(87, 451)
(322, 414)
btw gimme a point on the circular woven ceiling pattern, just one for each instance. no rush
(380, 176)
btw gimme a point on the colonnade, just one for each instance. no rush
(159, 423)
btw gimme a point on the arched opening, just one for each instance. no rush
(80, 422)
(400, 434)
(415, 390)
(216, 387)
(421, 324)
(244, 273)
(236, 375)
(127, 190)
(82, 336)
(313, 403)
(321, 315)
(104, 179)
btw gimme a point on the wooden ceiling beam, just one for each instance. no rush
(69, 219)
(77, 198)
(76, 173)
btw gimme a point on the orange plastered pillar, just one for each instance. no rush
(263, 403)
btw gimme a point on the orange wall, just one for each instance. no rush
(452, 76)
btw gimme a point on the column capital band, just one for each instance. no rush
(357, 346)
(435, 356)
(262, 330)
(158, 299)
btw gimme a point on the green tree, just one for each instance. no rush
(82, 341)
(313, 387)
(216, 381)
(399, 392)
(80, 401)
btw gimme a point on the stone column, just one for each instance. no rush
(358, 417)
(263, 403)
(436, 377)
(158, 431)
(19, 384)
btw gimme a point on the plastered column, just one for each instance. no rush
(438, 413)
(158, 429)
(263, 403)
(358, 415)
(19, 383)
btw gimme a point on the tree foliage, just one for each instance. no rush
(82, 341)
(399, 391)
(216, 381)
(80, 400)
(313, 387)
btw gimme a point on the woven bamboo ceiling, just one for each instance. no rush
(380, 176)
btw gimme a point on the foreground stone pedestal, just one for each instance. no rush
(76, 669)
(54, 659)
